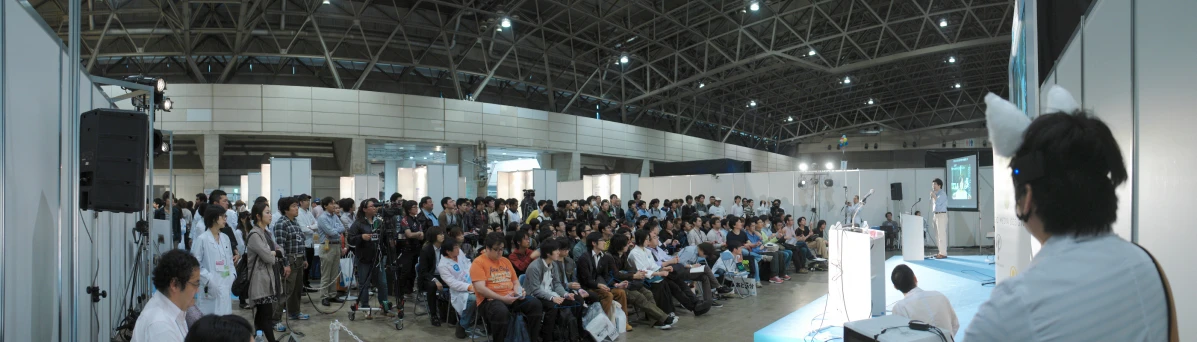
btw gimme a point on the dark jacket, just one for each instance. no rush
(589, 275)
(366, 251)
(427, 263)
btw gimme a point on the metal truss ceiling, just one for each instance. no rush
(693, 66)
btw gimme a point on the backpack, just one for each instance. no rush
(569, 327)
(241, 284)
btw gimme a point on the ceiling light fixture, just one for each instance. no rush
(802, 167)
(957, 86)
(326, 2)
(752, 103)
(951, 59)
(700, 85)
(811, 53)
(870, 102)
(847, 80)
(623, 59)
(790, 119)
(830, 166)
(505, 23)
(943, 23)
(755, 6)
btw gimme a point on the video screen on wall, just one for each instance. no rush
(961, 183)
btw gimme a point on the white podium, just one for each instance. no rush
(912, 238)
(856, 289)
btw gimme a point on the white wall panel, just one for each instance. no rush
(381, 98)
(1068, 70)
(781, 186)
(275, 91)
(571, 190)
(1108, 92)
(756, 186)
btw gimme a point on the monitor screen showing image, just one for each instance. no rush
(961, 183)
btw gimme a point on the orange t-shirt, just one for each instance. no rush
(499, 275)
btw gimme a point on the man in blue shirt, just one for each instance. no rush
(940, 208)
(426, 211)
(331, 229)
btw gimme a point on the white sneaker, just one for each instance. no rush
(671, 320)
(820, 259)
(663, 326)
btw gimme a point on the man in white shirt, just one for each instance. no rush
(307, 224)
(930, 307)
(737, 208)
(164, 318)
(217, 198)
(716, 207)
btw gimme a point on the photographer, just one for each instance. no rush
(362, 235)
(411, 233)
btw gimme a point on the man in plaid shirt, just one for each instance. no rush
(289, 235)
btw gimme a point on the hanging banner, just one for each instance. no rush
(1013, 245)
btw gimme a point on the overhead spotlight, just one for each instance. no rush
(943, 23)
(874, 146)
(160, 85)
(498, 29)
(953, 144)
(168, 104)
(802, 167)
(752, 103)
(847, 80)
(790, 119)
(700, 85)
(326, 2)
(944, 144)
(623, 59)
(870, 102)
(755, 6)
(830, 166)
(951, 59)
(903, 144)
(811, 53)
(505, 23)
(802, 183)
(957, 86)
(430, 153)
(161, 145)
(504, 153)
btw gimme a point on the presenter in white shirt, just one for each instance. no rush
(164, 317)
(1086, 283)
(939, 206)
(853, 212)
(929, 307)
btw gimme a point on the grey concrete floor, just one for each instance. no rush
(737, 320)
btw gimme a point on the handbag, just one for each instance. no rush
(347, 269)
(241, 283)
(599, 325)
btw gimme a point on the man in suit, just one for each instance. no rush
(592, 275)
(449, 214)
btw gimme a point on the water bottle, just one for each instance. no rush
(261, 337)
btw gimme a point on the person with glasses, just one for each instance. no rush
(177, 278)
(498, 291)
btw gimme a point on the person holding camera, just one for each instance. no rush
(362, 235)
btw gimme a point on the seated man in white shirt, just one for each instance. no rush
(177, 279)
(930, 307)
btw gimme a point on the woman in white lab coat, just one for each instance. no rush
(217, 271)
(454, 270)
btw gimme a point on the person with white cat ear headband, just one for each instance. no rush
(1086, 283)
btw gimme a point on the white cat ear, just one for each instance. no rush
(1059, 100)
(1006, 123)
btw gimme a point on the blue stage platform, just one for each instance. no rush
(958, 277)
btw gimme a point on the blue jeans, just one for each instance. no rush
(369, 273)
(467, 315)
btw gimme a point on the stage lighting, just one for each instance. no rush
(160, 85)
(953, 144)
(957, 86)
(754, 6)
(847, 80)
(829, 147)
(811, 53)
(326, 2)
(830, 166)
(161, 145)
(802, 167)
(951, 59)
(505, 23)
(870, 102)
(790, 119)
(802, 183)
(168, 104)
(866, 146)
(943, 23)
(752, 103)
(700, 85)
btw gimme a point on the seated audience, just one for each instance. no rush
(454, 269)
(499, 293)
(928, 306)
(521, 251)
(638, 295)
(545, 280)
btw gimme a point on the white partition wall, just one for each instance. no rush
(289, 177)
(570, 190)
(442, 182)
(346, 189)
(412, 182)
(254, 186)
(545, 183)
(621, 185)
(366, 186)
(461, 187)
(512, 184)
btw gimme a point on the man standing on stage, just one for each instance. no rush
(940, 207)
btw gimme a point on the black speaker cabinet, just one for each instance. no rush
(113, 145)
(895, 191)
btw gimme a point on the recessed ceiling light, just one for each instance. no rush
(506, 22)
(957, 86)
(623, 59)
(754, 6)
(943, 23)
(847, 80)
(811, 53)
(951, 59)
(870, 102)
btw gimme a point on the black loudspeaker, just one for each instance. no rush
(113, 145)
(895, 191)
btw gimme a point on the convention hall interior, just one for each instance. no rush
(597, 170)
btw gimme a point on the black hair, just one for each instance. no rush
(445, 201)
(395, 197)
(917, 212)
(448, 246)
(159, 202)
(174, 269)
(494, 239)
(327, 200)
(547, 247)
(888, 213)
(516, 238)
(689, 198)
(1080, 165)
(707, 249)
(346, 204)
(261, 199)
(938, 182)
(731, 222)
(361, 209)
(821, 224)
(654, 202)
(903, 278)
(201, 197)
(407, 206)
(431, 234)
(591, 239)
(425, 199)
(513, 226)
(641, 235)
(636, 194)
(211, 328)
(216, 195)
(256, 212)
(285, 203)
(732, 245)
(617, 244)
(212, 214)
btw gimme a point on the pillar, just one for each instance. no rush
(645, 168)
(469, 170)
(357, 156)
(390, 176)
(210, 150)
